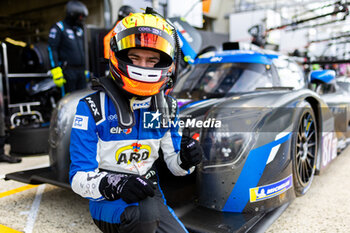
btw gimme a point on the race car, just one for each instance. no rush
(265, 135)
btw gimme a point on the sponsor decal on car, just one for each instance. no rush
(270, 190)
(215, 59)
(329, 147)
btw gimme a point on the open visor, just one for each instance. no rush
(147, 37)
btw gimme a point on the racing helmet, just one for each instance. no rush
(124, 11)
(142, 31)
(76, 12)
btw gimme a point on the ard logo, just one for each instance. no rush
(134, 152)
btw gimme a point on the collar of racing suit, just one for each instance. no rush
(125, 107)
(140, 103)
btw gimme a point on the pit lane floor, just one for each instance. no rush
(46, 208)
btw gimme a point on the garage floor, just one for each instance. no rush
(46, 208)
(326, 207)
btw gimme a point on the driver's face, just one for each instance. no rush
(144, 58)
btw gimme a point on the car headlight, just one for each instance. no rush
(224, 148)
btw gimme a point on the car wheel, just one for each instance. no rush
(304, 149)
(29, 140)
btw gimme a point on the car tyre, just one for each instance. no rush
(29, 140)
(304, 148)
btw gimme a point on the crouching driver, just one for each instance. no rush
(112, 152)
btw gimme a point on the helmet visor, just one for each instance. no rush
(160, 41)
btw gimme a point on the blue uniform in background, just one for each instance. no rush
(66, 49)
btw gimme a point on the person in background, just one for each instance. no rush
(3, 156)
(112, 151)
(66, 48)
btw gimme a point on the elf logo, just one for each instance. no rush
(134, 152)
(118, 130)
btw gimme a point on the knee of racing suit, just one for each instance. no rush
(142, 218)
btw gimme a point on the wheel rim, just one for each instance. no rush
(306, 149)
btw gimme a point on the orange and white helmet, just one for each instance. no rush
(142, 31)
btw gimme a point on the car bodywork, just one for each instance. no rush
(263, 140)
(335, 92)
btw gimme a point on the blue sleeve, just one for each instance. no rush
(83, 141)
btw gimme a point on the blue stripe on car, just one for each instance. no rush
(250, 175)
(192, 104)
(239, 56)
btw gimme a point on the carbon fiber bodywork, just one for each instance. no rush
(265, 115)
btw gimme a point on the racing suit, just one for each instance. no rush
(98, 147)
(66, 49)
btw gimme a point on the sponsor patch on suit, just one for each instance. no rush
(80, 122)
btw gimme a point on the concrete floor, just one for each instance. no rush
(46, 208)
(325, 207)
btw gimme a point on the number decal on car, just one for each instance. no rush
(329, 147)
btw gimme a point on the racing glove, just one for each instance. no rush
(191, 152)
(57, 76)
(131, 188)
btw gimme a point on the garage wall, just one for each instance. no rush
(221, 22)
(30, 20)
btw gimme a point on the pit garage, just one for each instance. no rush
(262, 85)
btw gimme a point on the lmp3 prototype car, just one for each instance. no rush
(265, 135)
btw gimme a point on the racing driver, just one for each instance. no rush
(113, 149)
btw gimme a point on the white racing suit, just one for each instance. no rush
(99, 146)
